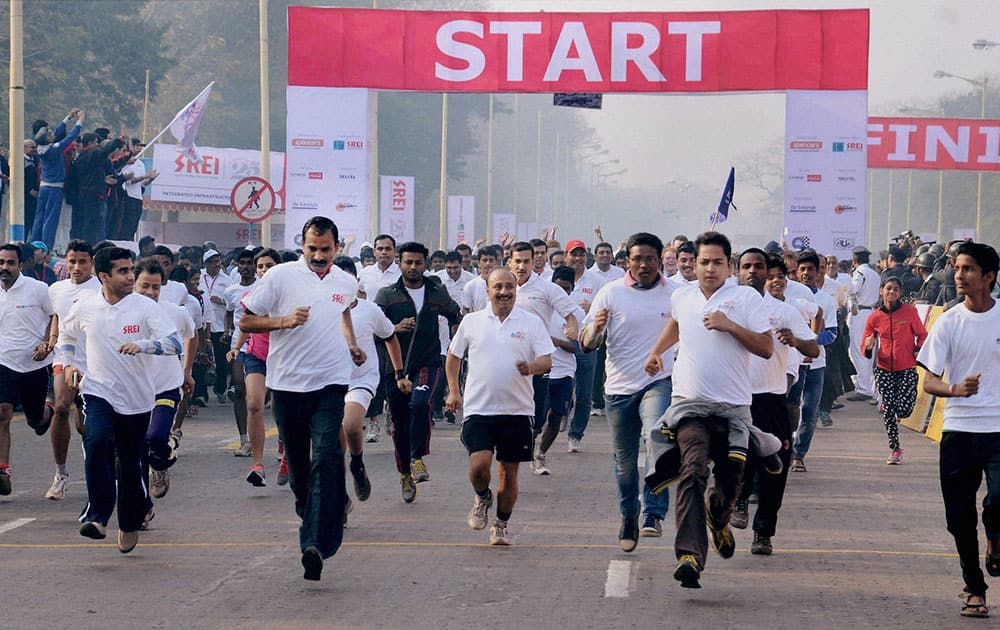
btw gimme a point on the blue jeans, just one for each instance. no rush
(411, 416)
(630, 417)
(110, 436)
(309, 424)
(810, 406)
(586, 364)
(47, 210)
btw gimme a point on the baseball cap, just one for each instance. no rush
(570, 246)
(211, 253)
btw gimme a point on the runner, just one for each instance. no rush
(686, 273)
(65, 293)
(605, 269)
(474, 296)
(413, 305)
(309, 370)
(25, 352)
(628, 315)
(505, 345)
(173, 292)
(963, 344)
(586, 285)
(234, 311)
(122, 331)
(213, 287)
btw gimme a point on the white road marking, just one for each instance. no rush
(6, 527)
(619, 578)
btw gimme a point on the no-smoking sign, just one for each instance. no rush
(252, 199)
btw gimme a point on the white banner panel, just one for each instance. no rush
(825, 170)
(527, 231)
(461, 220)
(396, 207)
(504, 224)
(328, 132)
(211, 180)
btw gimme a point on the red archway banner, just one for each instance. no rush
(947, 144)
(721, 51)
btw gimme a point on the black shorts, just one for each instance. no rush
(25, 388)
(561, 395)
(510, 436)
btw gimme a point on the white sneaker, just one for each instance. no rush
(498, 534)
(374, 432)
(538, 464)
(597, 412)
(57, 491)
(573, 446)
(245, 450)
(478, 516)
(159, 483)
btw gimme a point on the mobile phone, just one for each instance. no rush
(76, 380)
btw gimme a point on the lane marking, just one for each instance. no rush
(619, 576)
(6, 527)
(232, 446)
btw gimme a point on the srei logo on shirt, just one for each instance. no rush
(518, 334)
(338, 298)
(131, 329)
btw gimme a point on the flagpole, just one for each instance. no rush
(265, 121)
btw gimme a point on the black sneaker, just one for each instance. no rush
(741, 515)
(761, 545)
(5, 485)
(628, 535)
(312, 562)
(688, 572)
(362, 485)
(449, 417)
(651, 527)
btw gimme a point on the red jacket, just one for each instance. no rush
(900, 334)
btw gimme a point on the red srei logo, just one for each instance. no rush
(338, 298)
(130, 329)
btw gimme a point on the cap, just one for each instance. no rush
(570, 246)
(926, 261)
(773, 247)
(137, 142)
(40, 245)
(861, 249)
(211, 253)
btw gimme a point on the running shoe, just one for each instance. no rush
(651, 527)
(57, 491)
(5, 486)
(538, 464)
(146, 520)
(283, 471)
(312, 562)
(573, 446)
(628, 534)
(449, 417)
(825, 420)
(93, 529)
(159, 483)
(418, 469)
(256, 476)
(498, 534)
(722, 537)
(245, 450)
(222, 398)
(231, 393)
(362, 484)
(741, 515)
(478, 516)
(858, 397)
(127, 541)
(688, 572)
(374, 432)
(895, 457)
(408, 488)
(597, 412)
(761, 545)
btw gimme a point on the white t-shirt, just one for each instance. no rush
(493, 386)
(195, 310)
(311, 356)
(474, 297)
(712, 365)
(215, 314)
(679, 282)
(962, 343)
(865, 286)
(234, 297)
(125, 382)
(134, 189)
(169, 370)
(636, 318)
(455, 286)
(417, 295)
(25, 310)
(174, 292)
(613, 273)
(586, 287)
(542, 298)
(767, 376)
(64, 294)
(372, 278)
(829, 306)
(563, 363)
(369, 322)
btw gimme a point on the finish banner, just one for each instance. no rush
(947, 144)
(717, 51)
(396, 207)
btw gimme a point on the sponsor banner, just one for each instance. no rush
(327, 160)
(965, 144)
(503, 224)
(209, 181)
(396, 207)
(825, 183)
(461, 220)
(712, 51)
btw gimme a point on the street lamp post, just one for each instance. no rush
(593, 185)
(941, 74)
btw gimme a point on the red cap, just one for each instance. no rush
(570, 246)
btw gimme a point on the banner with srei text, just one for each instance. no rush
(210, 180)
(396, 207)
(825, 171)
(461, 220)
(710, 51)
(966, 144)
(327, 155)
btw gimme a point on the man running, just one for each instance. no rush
(308, 373)
(586, 284)
(213, 286)
(474, 296)
(234, 311)
(25, 352)
(604, 267)
(506, 346)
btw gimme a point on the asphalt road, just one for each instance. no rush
(859, 544)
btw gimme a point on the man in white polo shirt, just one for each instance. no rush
(453, 277)
(214, 283)
(474, 296)
(964, 346)
(604, 267)
(629, 315)
(385, 271)
(585, 288)
(506, 345)
(308, 373)
(122, 331)
(25, 352)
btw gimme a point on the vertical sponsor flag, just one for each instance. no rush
(396, 208)
(720, 215)
(461, 220)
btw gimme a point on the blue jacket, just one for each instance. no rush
(50, 156)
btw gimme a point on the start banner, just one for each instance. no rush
(965, 144)
(716, 51)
